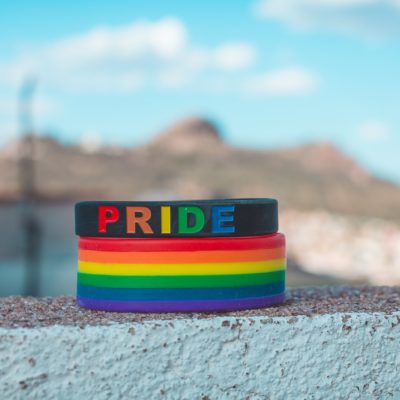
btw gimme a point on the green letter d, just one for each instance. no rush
(183, 213)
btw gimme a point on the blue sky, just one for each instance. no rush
(271, 73)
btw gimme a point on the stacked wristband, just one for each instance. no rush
(180, 256)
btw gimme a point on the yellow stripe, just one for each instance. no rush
(182, 269)
(165, 219)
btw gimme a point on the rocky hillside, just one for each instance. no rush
(191, 160)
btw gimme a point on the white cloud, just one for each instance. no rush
(163, 40)
(126, 58)
(234, 56)
(286, 81)
(374, 131)
(372, 18)
(149, 54)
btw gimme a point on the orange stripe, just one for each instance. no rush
(178, 257)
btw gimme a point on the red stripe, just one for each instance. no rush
(185, 244)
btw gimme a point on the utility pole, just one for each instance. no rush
(30, 224)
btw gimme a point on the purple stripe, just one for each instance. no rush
(181, 306)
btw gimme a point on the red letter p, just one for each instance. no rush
(107, 215)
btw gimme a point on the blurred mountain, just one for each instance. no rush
(188, 136)
(191, 160)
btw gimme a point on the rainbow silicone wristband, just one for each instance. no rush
(172, 275)
(201, 218)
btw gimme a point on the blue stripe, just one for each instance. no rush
(180, 294)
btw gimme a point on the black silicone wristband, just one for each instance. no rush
(193, 218)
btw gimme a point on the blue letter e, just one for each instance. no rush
(218, 220)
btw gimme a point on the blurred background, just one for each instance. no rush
(293, 99)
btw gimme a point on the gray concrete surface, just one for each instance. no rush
(332, 343)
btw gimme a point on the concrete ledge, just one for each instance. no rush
(333, 343)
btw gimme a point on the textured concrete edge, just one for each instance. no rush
(340, 355)
(214, 319)
(32, 312)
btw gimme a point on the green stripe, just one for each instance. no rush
(180, 281)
